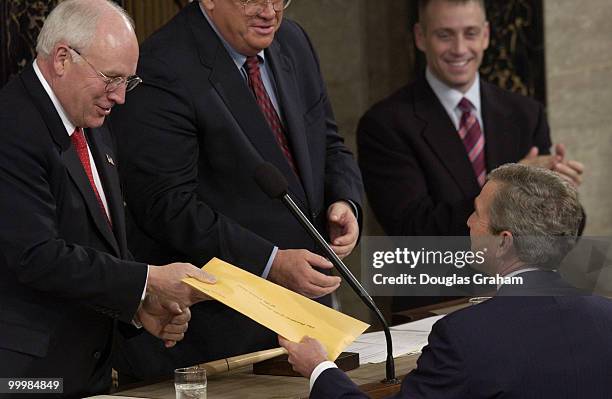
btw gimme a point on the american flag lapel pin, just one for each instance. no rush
(110, 160)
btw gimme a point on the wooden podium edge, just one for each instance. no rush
(379, 390)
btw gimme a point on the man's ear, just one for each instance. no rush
(505, 244)
(60, 55)
(419, 36)
(487, 34)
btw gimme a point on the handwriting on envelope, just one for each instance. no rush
(283, 311)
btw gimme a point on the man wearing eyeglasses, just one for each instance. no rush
(229, 84)
(66, 278)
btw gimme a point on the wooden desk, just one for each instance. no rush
(243, 384)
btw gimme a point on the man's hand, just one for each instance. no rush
(165, 282)
(305, 356)
(568, 169)
(343, 228)
(293, 269)
(164, 319)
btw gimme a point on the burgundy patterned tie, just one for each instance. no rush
(473, 140)
(265, 104)
(80, 145)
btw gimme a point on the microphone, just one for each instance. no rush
(273, 183)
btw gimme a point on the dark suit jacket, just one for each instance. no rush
(417, 175)
(62, 280)
(510, 347)
(190, 139)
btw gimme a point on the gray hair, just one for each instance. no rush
(540, 209)
(75, 22)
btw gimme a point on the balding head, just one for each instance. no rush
(82, 46)
(75, 22)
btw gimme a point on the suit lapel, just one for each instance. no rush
(78, 175)
(105, 164)
(69, 156)
(500, 146)
(440, 134)
(237, 97)
(287, 90)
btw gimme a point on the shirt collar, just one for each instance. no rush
(517, 272)
(56, 103)
(239, 59)
(450, 97)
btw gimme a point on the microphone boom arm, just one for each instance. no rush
(350, 278)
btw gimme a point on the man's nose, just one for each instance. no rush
(118, 95)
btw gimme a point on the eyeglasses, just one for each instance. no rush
(256, 7)
(113, 84)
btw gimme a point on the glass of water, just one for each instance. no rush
(190, 383)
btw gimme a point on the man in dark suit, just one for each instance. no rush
(539, 338)
(66, 278)
(434, 140)
(227, 86)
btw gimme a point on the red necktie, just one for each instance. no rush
(80, 145)
(265, 104)
(473, 140)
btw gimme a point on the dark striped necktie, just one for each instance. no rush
(80, 145)
(267, 108)
(473, 140)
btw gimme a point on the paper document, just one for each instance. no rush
(283, 311)
(407, 339)
(423, 325)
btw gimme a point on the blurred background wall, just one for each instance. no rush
(578, 43)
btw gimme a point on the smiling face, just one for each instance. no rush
(247, 35)
(79, 88)
(453, 36)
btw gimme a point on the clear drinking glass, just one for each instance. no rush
(190, 383)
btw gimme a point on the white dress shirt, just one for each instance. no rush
(320, 369)
(450, 98)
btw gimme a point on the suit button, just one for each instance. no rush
(97, 355)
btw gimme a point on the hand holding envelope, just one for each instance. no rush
(285, 312)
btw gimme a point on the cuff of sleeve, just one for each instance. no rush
(355, 208)
(135, 322)
(269, 264)
(144, 289)
(319, 369)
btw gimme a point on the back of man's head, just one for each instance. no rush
(539, 208)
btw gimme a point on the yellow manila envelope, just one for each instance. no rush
(283, 311)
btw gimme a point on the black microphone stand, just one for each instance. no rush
(350, 278)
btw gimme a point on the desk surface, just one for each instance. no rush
(243, 384)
